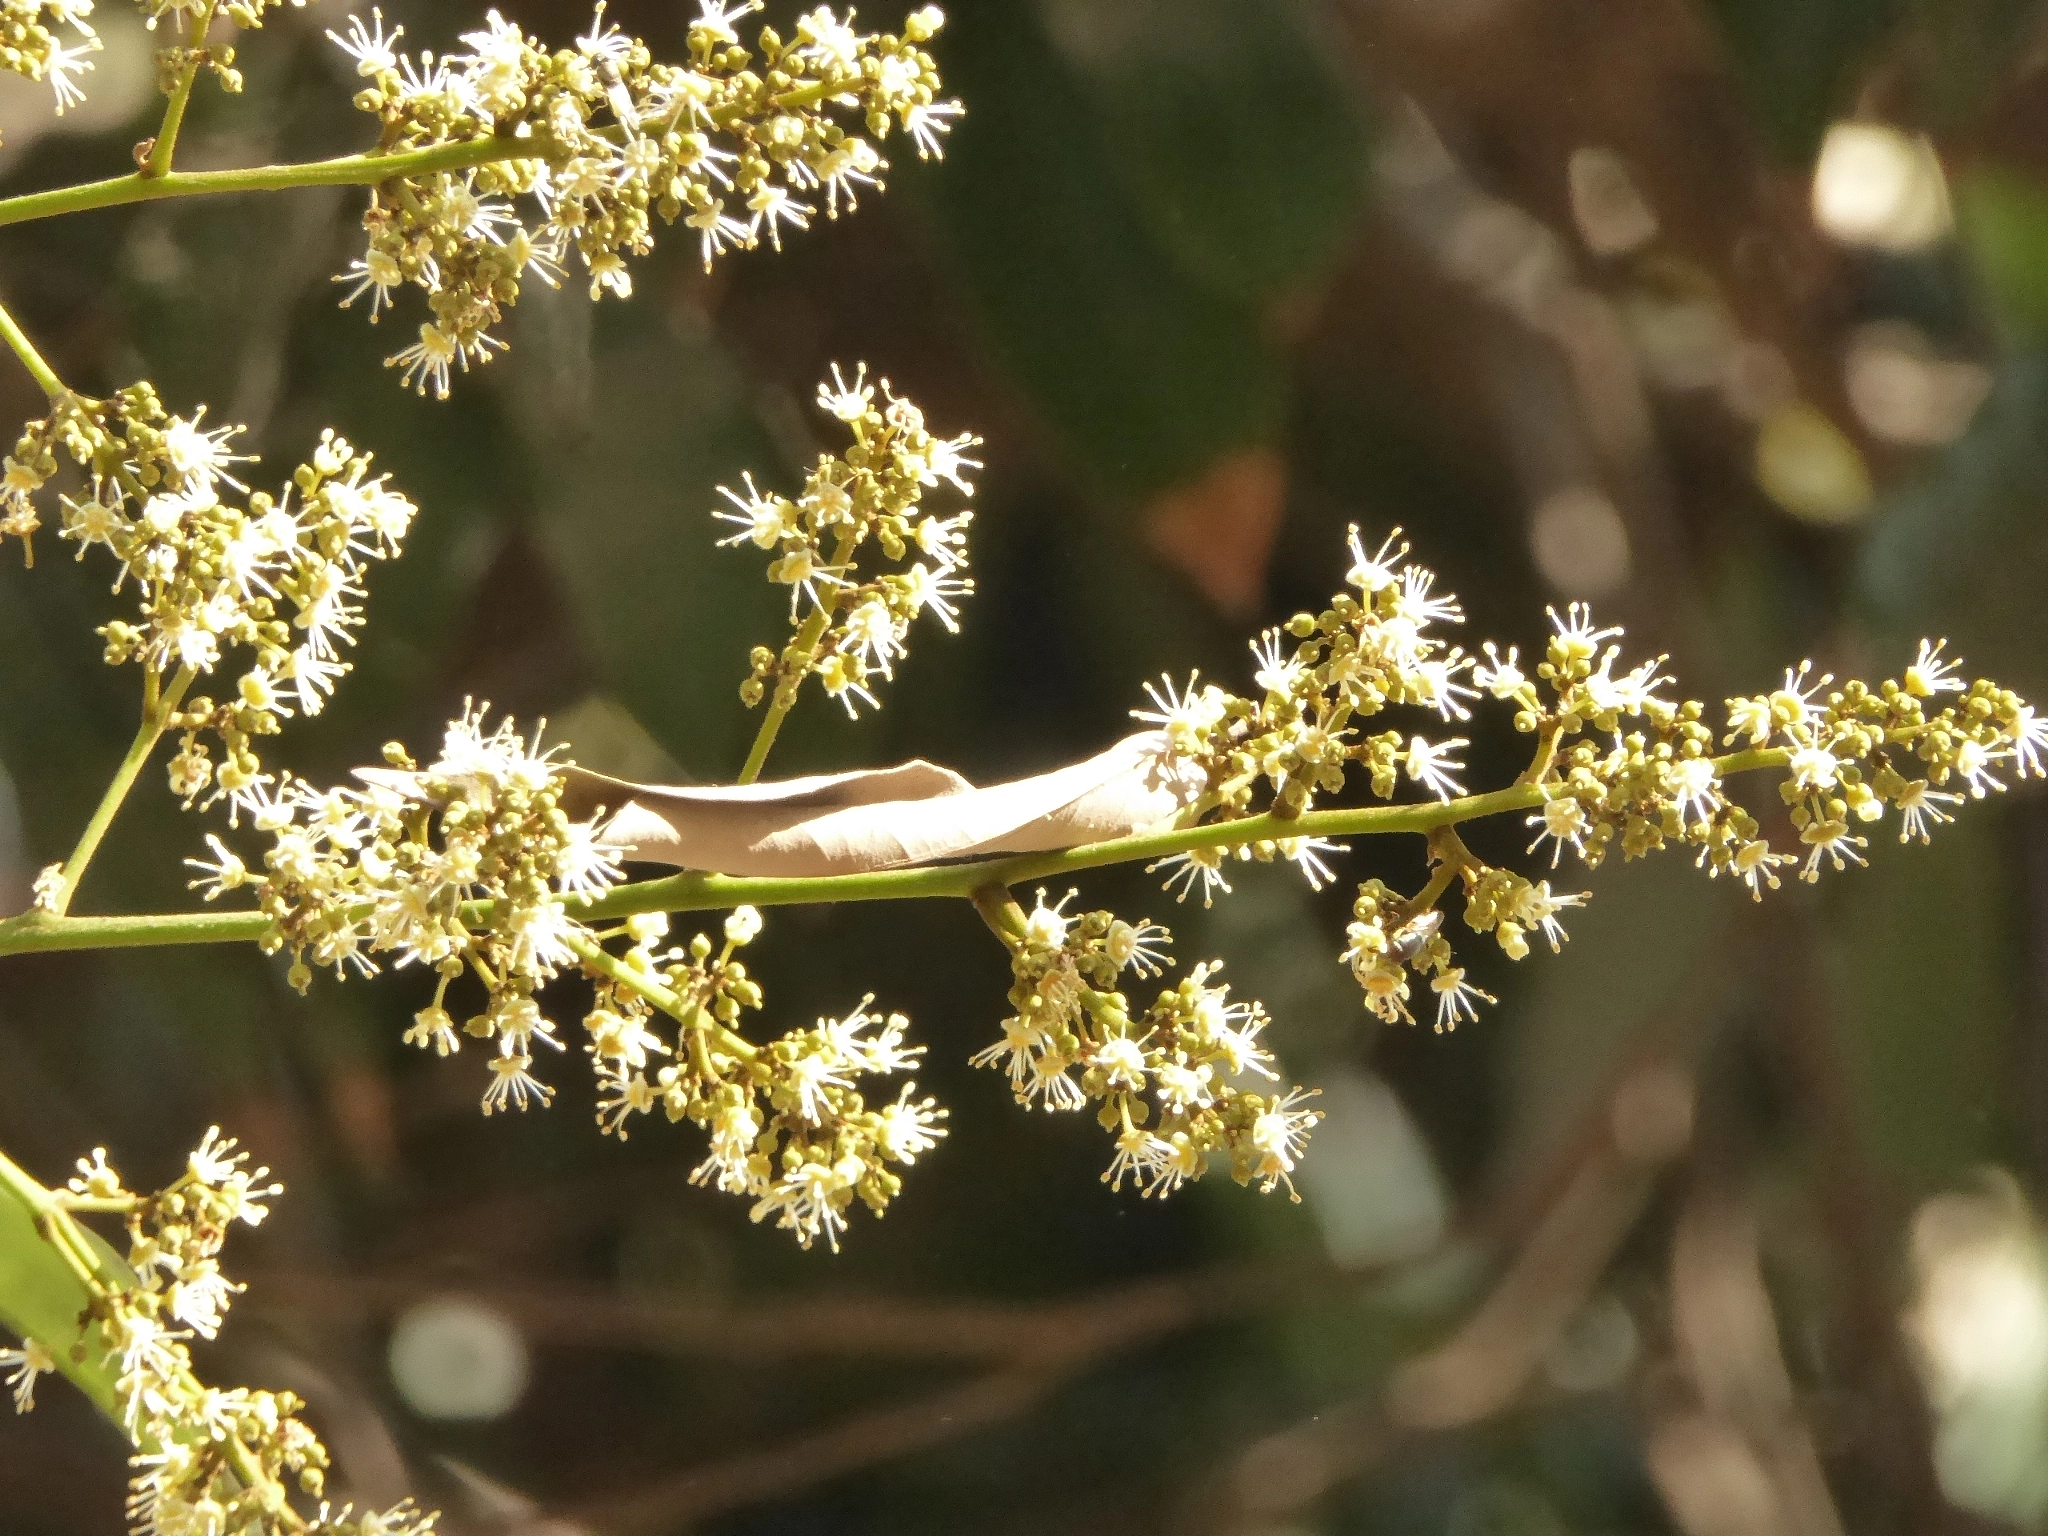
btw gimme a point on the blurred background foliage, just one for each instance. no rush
(1729, 315)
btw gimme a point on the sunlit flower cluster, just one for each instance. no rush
(741, 144)
(49, 42)
(268, 587)
(789, 1126)
(393, 868)
(1171, 1084)
(867, 499)
(1617, 764)
(207, 1459)
(1362, 654)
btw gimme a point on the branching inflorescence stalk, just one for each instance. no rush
(36, 932)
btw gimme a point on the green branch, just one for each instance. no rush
(166, 142)
(692, 892)
(344, 171)
(31, 359)
(156, 714)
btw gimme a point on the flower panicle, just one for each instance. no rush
(865, 504)
(268, 589)
(741, 143)
(206, 1458)
(1173, 1083)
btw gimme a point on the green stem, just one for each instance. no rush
(156, 715)
(35, 932)
(344, 171)
(805, 644)
(31, 359)
(166, 145)
(611, 967)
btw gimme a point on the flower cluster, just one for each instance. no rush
(870, 494)
(32, 44)
(789, 1127)
(1169, 1082)
(396, 866)
(216, 568)
(1617, 763)
(1387, 942)
(207, 1459)
(178, 61)
(1359, 656)
(732, 142)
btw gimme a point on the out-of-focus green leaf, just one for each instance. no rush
(1249, 200)
(1798, 64)
(40, 1297)
(1926, 1020)
(2002, 215)
(1146, 373)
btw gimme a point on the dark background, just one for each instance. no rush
(1647, 1248)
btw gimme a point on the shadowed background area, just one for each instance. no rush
(1728, 316)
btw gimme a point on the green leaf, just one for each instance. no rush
(41, 1298)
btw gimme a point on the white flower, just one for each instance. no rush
(810, 1200)
(764, 521)
(1022, 1039)
(1046, 927)
(1454, 998)
(925, 589)
(1431, 765)
(1121, 1063)
(1278, 1136)
(1749, 717)
(66, 62)
(742, 927)
(1049, 1083)
(1973, 762)
(715, 19)
(1181, 1087)
(773, 207)
(1500, 676)
(716, 231)
(1197, 865)
(1414, 602)
(733, 1132)
(1829, 837)
(1305, 854)
(427, 361)
(1756, 866)
(1931, 672)
(225, 873)
(2028, 733)
(585, 864)
(1142, 948)
(907, 1129)
(848, 402)
(1140, 1155)
(28, 1362)
(1792, 705)
(371, 47)
(1538, 907)
(1918, 812)
(1694, 788)
(1564, 821)
(1577, 633)
(824, 38)
(927, 124)
(1375, 573)
(513, 1086)
(1814, 768)
(1186, 716)
(871, 633)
